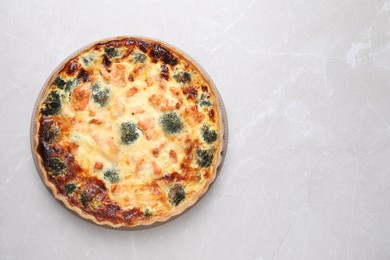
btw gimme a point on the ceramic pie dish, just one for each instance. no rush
(128, 132)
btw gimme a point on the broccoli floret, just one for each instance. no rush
(84, 199)
(59, 82)
(203, 101)
(147, 213)
(99, 95)
(204, 157)
(111, 52)
(182, 77)
(176, 194)
(55, 166)
(95, 87)
(171, 123)
(71, 84)
(86, 60)
(111, 175)
(208, 134)
(50, 131)
(52, 104)
(139, 57)
(69, 188)
(129, 132)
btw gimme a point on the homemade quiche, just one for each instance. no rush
(128, 132)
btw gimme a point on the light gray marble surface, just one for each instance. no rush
(306, 86)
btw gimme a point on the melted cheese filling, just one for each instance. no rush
(96, 129)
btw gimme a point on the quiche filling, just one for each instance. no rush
(129, 131)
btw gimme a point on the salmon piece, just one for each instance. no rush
(173, 156)
(106, 143)
(116, 188)
(92, 112)
(136, 69)
(161, 146)
(157, 78)
(98, 165)
(149, 134)
(198, 116)
(162, 87)
(184, 138)
(105, 74)
(154, 189)
(112, 146)
(167, 105)
(131, 92)
(95, 121)
(175, 91)
(149, 81)
(118, 74)
(194, 114)
(155, 152)
(163, 103)
(118, 108)
(73, 147)
(138, 110)
(120, 105)
(156, 99)
(80, 97)
(139, 165)
(156, 168)
(146, 124)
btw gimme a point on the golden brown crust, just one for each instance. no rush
(219, 147)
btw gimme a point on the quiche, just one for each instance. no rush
(128, 132)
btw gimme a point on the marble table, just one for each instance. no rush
(306, 86)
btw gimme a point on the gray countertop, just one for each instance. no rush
(306, 86)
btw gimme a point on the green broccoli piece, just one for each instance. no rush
(171, 123)
(129, 132)
(59, 82)
(139, 57)
(84, 198)
(95, 88)
(111, 52)
(55, 166)
(86, 60)
(52, 104)
(147, 213)
(71, 84)
(203, 101)
(176, 194)
(204, 157)
(208, 134)
(99, 95)
(50, 131)
(111, 175)
(69, 188)
(182, 77)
